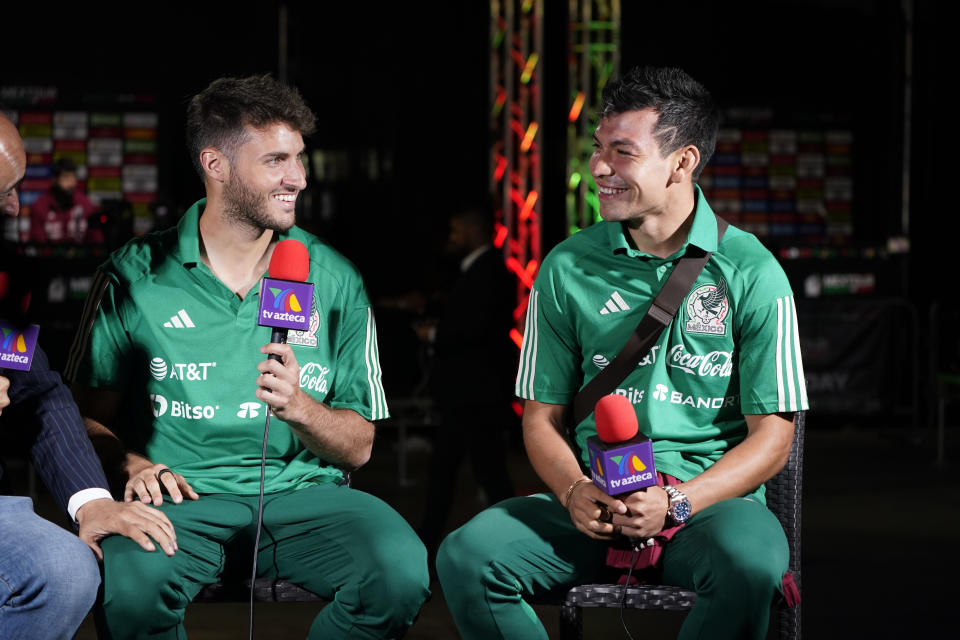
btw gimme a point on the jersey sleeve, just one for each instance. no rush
(98, 357)
(550, 358)
(357, 383)
(771, 366)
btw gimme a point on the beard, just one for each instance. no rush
(248, 208)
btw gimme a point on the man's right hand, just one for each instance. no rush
(103, 517)
(4, 398)
(585, 512)
(146, 478)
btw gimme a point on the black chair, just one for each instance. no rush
(783, 498)
(264, 590)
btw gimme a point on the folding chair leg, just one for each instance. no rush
(571, 622)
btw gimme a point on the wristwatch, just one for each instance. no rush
(679, 510)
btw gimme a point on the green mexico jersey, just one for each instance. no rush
(183, 350)
(732, 348)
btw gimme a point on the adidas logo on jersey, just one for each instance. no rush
(615, 304)
(180, 321)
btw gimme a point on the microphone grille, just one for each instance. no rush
(616, 419)
(290, 261)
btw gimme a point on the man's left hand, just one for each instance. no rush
(279, 383)
(647, 513)
(135, 520)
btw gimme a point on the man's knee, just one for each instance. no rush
(457, 557)
(65, 574)
(400, 574)
(137, 583)
(749, 552)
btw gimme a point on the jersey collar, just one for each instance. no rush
(703, 233)
(188, 233)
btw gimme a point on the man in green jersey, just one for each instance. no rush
(170, 361)
(716, 393)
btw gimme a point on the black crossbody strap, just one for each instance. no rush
(660, 314)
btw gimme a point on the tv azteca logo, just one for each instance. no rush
(286, 299)
(282, 302)
(16, 346)
(13, 341)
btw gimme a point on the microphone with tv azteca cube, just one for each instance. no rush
(621, 459)
(285, 299)
(18, 339)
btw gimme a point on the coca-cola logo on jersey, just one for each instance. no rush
(314, 376)
(714, 364)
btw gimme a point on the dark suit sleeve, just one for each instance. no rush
(60, 448)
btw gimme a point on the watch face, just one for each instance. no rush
(681, 511)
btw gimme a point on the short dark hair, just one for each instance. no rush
(687, 112)
(63, 165)
(216, 116)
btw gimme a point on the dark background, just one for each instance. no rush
(408, 82)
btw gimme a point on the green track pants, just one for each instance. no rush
(733, 554)
(344, 545)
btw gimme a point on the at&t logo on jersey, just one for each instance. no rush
(182, 410)
(707, 309)
(183, 371)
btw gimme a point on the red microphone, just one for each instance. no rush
(616, 418)
(285, 297)
(621, 460)
(290, 261)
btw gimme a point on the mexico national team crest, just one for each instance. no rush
(308, 337)
(707, 309)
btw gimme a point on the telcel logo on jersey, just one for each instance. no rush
(17, 345)
(280, 306)
(183, 410)
(623, 466)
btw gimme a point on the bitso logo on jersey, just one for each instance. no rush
(281, 304)
(17, 345)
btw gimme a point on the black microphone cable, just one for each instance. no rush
(279, 336)
(256, 541)
(623, 594)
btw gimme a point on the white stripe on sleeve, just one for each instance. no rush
(528, 353)
(371, 352)
(781, 402)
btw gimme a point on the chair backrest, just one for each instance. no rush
(784, 498)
